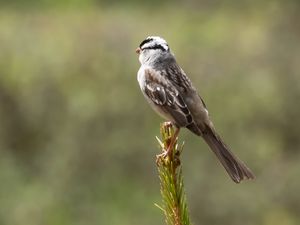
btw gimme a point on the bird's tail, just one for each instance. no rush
(236, 169)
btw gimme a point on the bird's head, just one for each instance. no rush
(151, 49)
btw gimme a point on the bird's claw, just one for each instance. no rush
(162, 156)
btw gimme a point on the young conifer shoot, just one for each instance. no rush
(174, 204)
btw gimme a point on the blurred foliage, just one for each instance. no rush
(77, 138)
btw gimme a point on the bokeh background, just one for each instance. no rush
(77, 139)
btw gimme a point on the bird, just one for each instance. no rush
(172, 95)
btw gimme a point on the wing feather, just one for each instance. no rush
(163, 94)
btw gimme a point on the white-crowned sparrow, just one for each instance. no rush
(171, 94)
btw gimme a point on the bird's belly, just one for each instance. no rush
(160, 111)
(156, 108)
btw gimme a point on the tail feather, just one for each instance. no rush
(236, 169)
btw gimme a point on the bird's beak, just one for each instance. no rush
(138, 50)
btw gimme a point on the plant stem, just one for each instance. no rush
(174, 203)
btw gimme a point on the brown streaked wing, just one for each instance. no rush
(163, 94)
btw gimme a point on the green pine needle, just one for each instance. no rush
(174, 203)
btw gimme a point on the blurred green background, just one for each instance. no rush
(77, 139)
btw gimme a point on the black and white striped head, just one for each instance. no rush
(151, 48)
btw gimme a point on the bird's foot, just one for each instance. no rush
(169, 145)
(164, 155)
